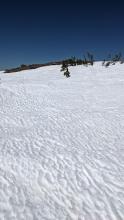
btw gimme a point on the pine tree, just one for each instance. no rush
(65, 69)
(67, 73)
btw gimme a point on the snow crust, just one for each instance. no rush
(62, 144)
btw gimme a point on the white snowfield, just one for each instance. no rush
(62, 144)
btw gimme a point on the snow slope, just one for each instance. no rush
(62, 144)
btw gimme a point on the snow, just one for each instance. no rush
(62, 144)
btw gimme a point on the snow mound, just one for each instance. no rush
(62, 144)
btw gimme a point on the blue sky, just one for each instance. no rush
(37, 31)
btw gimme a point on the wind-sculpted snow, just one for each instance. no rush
(62, 144)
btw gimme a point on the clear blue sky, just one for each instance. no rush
(37, 31)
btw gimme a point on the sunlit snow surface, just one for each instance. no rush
(62, 144)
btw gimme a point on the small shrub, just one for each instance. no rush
(108, 64)
(67, 73)
(65, 69)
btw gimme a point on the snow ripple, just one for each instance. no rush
(61, 145)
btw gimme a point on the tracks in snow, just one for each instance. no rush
(61, 149)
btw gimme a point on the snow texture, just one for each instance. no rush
(62, 144)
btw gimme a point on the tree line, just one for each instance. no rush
(89, 59)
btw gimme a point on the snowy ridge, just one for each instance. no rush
(62, 144)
